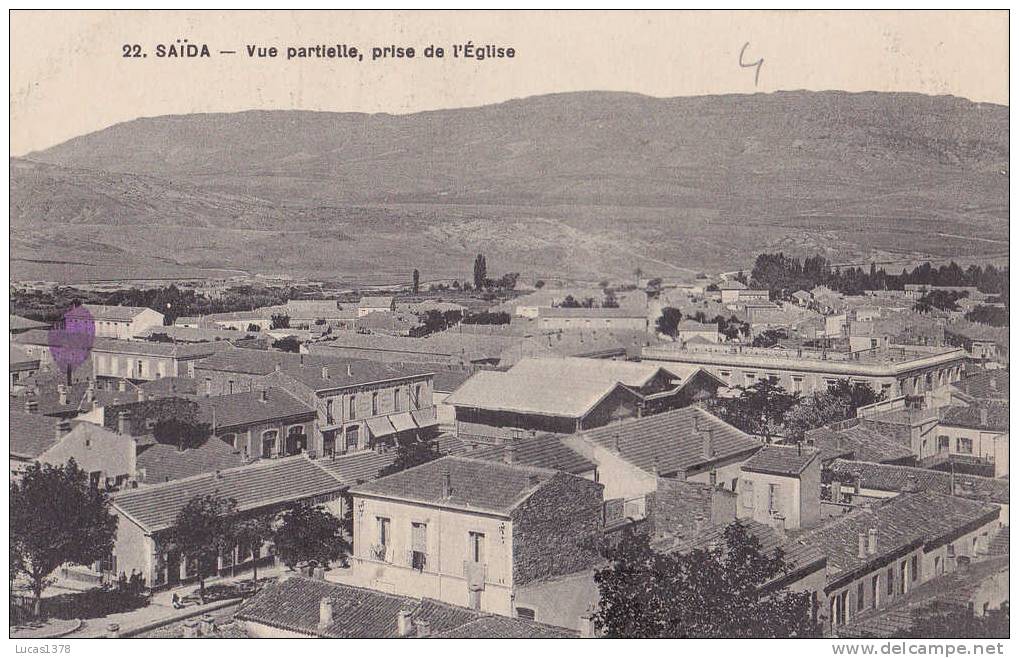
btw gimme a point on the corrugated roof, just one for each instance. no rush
(781, 460)
(262, 484)
(890, 477)
(673, 441)
(476, 484)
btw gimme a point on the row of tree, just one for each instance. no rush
(731, 327)
(784, 275)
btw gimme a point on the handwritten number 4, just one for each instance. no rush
(748, 65)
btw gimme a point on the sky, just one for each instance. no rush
(69, 76)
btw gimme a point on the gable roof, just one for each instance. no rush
(293, 605)
(570, 369)
(357, 467)
(732, 284)
(265, 483)
(370, 301)
(251, 407)
(890, 477)
(117, 313)
(543, 451)
(32, 434)
(18, 323)
(156, 348)
(20, 359)
(595, 313)
(780, 460)
(672, 441)
(260, 362)
(476, 485)
(361, 372)
(912, 519)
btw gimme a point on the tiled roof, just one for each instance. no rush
(798, 555)
(251, 407)
(361, 372)
(446, 380)
(315, 309)
(570, 369)
(155, 348)
(262, 484)
(543, 451)
(888, 477)
(860, 442)
(985, 385)
(694, 325)
(163, 463)
(732, 284)
(21, 359)
(375, 302)
(357, 467)
(451, 344)
(170, 386)
(32, 337)
(294, 605)
(674, 440)
(31, 434)
(902, 521)
(781, 460)
(260, 362)
(997, 416)
(18, 323)
(118, 313)
(475, 484)
(194, 334)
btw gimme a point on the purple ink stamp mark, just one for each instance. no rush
(71, 339)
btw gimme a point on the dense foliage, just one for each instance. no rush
(305, 533)
(411, 453)
(720, 592)
(202, 531)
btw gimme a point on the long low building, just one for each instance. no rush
(892, 370)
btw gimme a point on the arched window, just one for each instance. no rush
(269, 443)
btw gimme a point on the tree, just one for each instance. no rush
(668, 321)
(277, 321)
(57, 517)
(203, 530)
(758, 409)
(569, 302)
(411, 453)
(416, 282)
(722, 591)
(769, 337)
(539, 284)
(288, 344)
(309, 533)
(253, 532)
(480, 272)
(252, 327)
(184, 433)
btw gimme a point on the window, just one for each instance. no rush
(329, 412)
(875, 590)
(419, 545)
(890, 584)
(943, 441)
(141, 369)
(525, 613)
(914, 566)
(384, 536)
(774, 379)
(417, 397)
(748, 494)
(208, 386)
(964, 446)
(797, 384)
(268, 443)
(351, 412)
(229, 386)
(352, 439)
(772, 497)
(725, 375)
(830, 384)
(375, 404)
(230, 439)
(476, 547)
(750, 378)
(859, 596)
(396, 400)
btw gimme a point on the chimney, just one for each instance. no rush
(62, 393)
(141, 395)
(122, 422)
(404, 625)
(350, 373)
(993, 383)
(912, 486)
(707, 445)
(325, 613)
(983, 416)
(424, 629)
(325, 372)
(509, 452)
(207, 625)
(862, 545)
(618, 443)
(656, 466)
(586, 625)
(63, 427)
(446, 485)
(872, 541)
(31, 406)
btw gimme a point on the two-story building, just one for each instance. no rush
(122, 322)
(780, 486)
(558, 318)
(108, 457)
(976, 434)
(375, 304)
(139, 360)
(470, 531)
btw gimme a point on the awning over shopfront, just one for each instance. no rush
(403, 422)
(380, 427)
(424, 417)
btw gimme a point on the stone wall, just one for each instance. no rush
(680, 508)
(556, 530)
